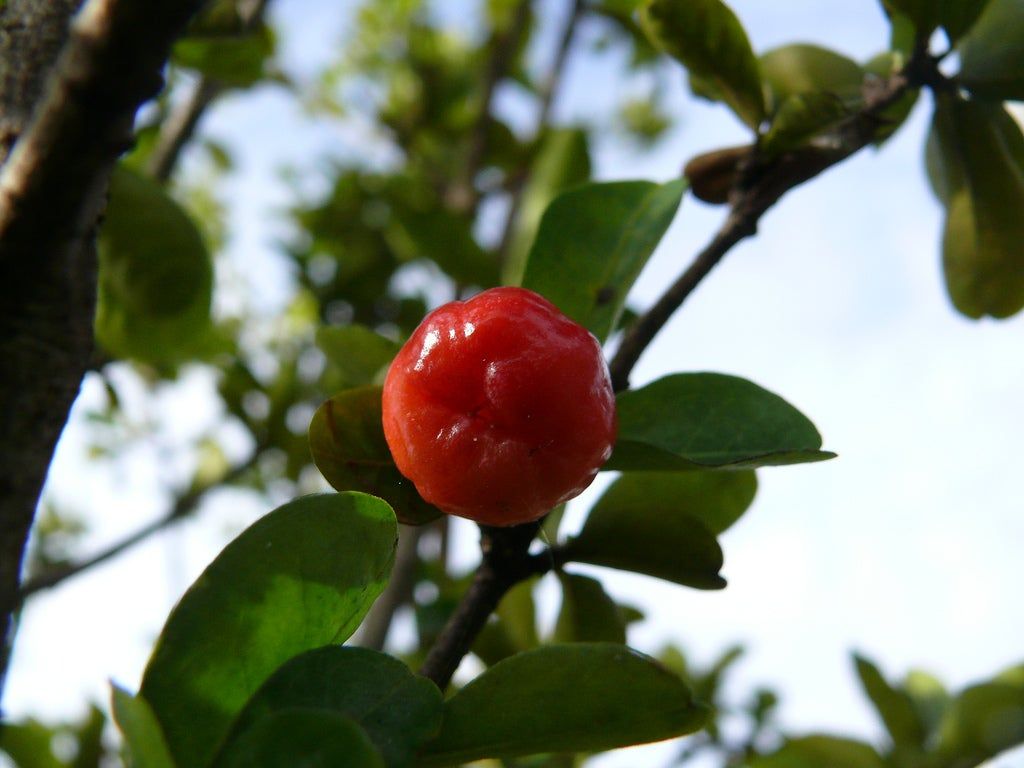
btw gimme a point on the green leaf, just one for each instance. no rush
(929, 697)
(959, 16)
(644, 539)
(976, 164)
(300, 577)
(715, 499)
(144, 742)
(29, 744)
(982, 721)
(397, 709)
(710, 420)
(801, 118)
(883, 65)
(588, 614)
(346, 438)
(235, 60)
(819, 751)
(303, 738)
(893, 705)
(709, 40)
(592, 244)
(992, 55)
(562, 161)
(155, 276)
(584, 697)
(356, 354)
(799, 69)
(923, 14)
(512, 627)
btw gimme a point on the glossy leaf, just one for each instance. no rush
(819, 751)
(300, 577)
(397, 709)
(976, 164)
(144, 742)
(794, 70)
(709, 40)
(992, 55)
(588, 614)
(715, 499)
(155, 276)
(645, 539)
(893, 705)
(356, 354)
(710, 420)
(562, 161)
(346, 438)
(592, 243)
(584, 697)
(981, 722)
(303, 738)
(235, 60)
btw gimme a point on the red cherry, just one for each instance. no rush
(499, 408)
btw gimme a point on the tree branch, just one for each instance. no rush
(183, 507)
(506, 561)
(761, 184)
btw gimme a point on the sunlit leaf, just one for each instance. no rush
(301, 577)
(709, 40)
(820, 751)
(798, 69)
(893, 705)
(144, 742)
(592, 244)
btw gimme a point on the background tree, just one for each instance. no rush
(363, 250)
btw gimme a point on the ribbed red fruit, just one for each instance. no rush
(499, 408)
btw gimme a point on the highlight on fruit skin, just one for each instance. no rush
(499, 408)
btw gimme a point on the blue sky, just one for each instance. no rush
(906, 547)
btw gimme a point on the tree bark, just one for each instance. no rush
(68, 96)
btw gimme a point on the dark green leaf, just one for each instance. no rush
(354, 353)
(884, 65)
(647, 539)
(976, 163)
(715, 499)
(923, 14)
(709, 420)
(144, 742)
(512, 628)
(592, 243)
(346, 438)
(235, 60)
(799, 69)
(958, 16)
(562, 161)
(801, 118)
(992, 55)
(982, 721)
(301, 577)
(155, 276)
(588, 614)
(584, 697)
(88, 734)
(397, 709)
(821, 751)
(893, 705)
(709, 40)
(303, 738)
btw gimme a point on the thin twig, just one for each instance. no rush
(183, 507)
(374, 630)
(761, 185)
(547, 99)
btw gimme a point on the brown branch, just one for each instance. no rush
(181, 124)
(374, 630)
(506, 561)
(52, 189)
(183, 507)
(463, 195)
(547, 99)
(762, 183)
